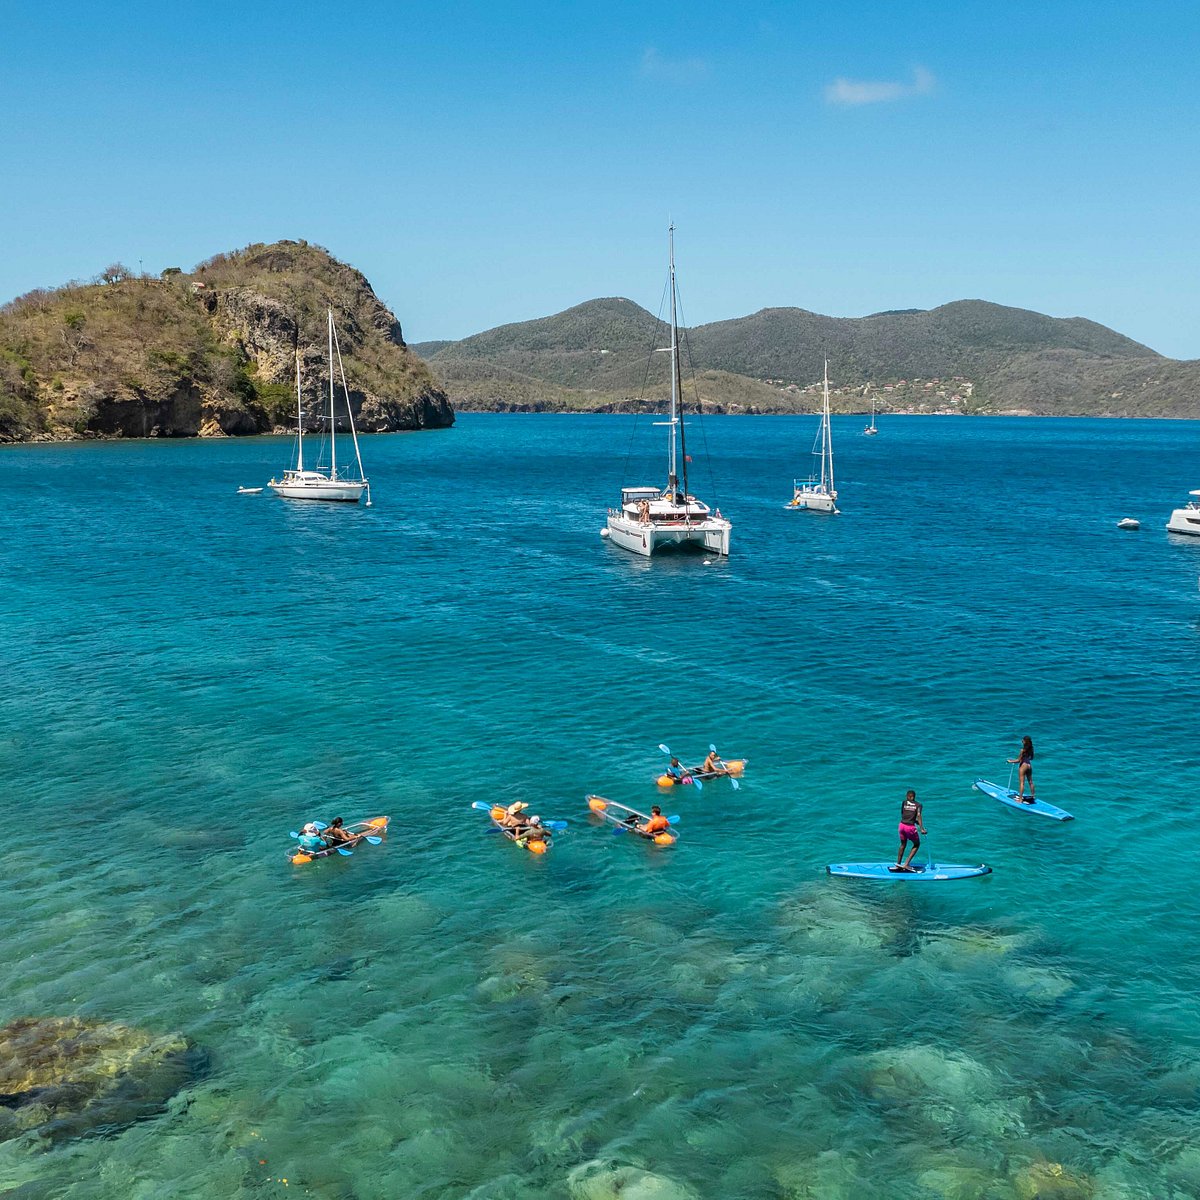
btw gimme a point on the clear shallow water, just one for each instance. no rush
(443, 1016)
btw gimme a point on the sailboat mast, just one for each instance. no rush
(826, 439)
(299, 410)
(332, 418)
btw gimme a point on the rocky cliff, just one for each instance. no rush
(210, 352)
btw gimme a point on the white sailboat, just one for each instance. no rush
(651, 519)
(817, 494)
(870, 430)
(324, 484)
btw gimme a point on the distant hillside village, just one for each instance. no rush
(945, 397)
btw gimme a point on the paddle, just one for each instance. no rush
(699, 786)
(736, 784)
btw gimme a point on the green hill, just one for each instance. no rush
(969, 356)
(207, 352)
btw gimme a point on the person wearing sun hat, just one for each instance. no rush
(514, 816)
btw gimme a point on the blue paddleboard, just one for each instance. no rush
(1009, 797)
(921, 872)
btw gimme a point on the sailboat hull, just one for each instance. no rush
(815, 502)
(327, 490)
(710, 536)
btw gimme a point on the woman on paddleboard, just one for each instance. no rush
(911, 821)
(1024, 765)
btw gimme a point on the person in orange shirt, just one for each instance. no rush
(656, 824)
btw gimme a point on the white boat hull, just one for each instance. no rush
(710, 535)
(1185, 520)
(815, 502)
(328, 490)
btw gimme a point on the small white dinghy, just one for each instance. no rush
(1128, 523)
(249, 491)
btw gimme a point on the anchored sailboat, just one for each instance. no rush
(870, 430)
(652, 518)
(818, 494)
(321, 484)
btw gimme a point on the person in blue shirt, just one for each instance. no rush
(675, 770)
(310, 839)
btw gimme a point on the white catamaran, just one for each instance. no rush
(818, 494)
(651, 519)
(299, 484)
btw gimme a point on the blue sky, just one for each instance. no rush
(488, 163)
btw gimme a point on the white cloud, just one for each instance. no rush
(852, 92)
(672, 70)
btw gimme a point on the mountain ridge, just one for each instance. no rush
(971, 356)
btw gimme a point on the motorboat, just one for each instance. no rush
(1186, 519)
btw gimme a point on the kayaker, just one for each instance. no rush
(512, 815)
(533, 831)
(656, 824)
(1024, 765)
(911, 820)
(675, 770)
(335, 834)
(713, 765)
(310, 838)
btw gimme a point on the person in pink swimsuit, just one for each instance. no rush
(912, 825)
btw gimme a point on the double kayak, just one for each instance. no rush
(917, 873)
(1013, 800)
(371, 830)
(625, 820)
(534, 838)
(734, 766)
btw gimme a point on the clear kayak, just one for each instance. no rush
(734, 766)
(626, 820)
(535, 839)
(1013, 800)
(371, 830)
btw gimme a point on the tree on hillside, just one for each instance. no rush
(114, 273)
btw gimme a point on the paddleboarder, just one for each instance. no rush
(1024, 765)
(912, 825)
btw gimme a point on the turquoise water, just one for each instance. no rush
(445, 1016)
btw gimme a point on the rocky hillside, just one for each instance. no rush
(207, 353)
(969, 356)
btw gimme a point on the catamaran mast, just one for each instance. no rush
(676, 403)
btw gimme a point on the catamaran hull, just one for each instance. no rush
(708, 537)
(350, 492)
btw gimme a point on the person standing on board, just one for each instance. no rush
(911, 820)
(1024, 765)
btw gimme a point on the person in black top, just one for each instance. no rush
(911, 820)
